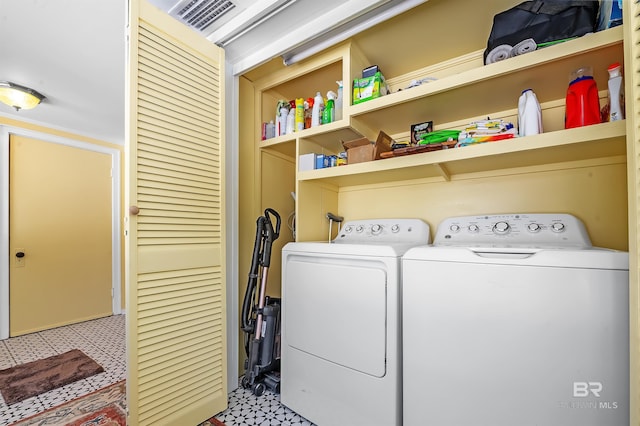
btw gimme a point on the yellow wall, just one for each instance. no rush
(33, 127)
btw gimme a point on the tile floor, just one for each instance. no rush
(104, 340)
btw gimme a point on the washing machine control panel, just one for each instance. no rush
(384, 231)
(540, 230)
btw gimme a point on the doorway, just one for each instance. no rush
(66, 247)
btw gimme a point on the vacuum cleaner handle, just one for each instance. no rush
(270, 235)
(275, 213)
(247, 305)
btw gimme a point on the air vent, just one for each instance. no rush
(199, 14)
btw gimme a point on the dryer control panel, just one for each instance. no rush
(384, 231)
(540, 230)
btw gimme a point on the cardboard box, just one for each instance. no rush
(307, 162)
(368, 88)
(419, 130)
(361, 150)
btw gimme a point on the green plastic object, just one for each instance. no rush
(439, 137)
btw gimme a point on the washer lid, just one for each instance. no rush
(591, 258)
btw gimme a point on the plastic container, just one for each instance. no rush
(308, 108)
(529, 114)
(582, 102)
(616, 93)
(271, 130)
(281, 126)
(291, 119)
(299, 117)
(318, 102)
(328, 112)
(338, 105)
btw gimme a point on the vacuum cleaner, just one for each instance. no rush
(261, 317)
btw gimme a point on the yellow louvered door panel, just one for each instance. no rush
(631, 19)
(175, 249)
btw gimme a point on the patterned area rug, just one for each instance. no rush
(104, 407)
(33, 378)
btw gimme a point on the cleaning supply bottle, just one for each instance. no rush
(318, 102)
(291, 118)
(281, 127)
(529, 114)
(328, 112)
(338, 105)
(299, 115)
(308, 107)
(616, 93)
(271, 130)
(582, 101)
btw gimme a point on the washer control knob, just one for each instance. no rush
(501, 227)
(534, 227)
(454, 228)
(395, 228)
(359, 228)
(348, 229)
(376, 229)
(473, 228)
(557, 227)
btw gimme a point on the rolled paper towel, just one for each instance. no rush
(498, 53)
(525, 46)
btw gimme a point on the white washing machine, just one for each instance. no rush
(341, 359)
(515, 320)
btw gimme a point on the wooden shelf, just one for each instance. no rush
(591, 142)
(496, 87)
(328, 136)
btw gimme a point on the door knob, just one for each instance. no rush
(20, 254)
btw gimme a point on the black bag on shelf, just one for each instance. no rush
(532, 24)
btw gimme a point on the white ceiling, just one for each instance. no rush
(73, 51)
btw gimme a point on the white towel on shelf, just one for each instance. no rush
(525, 46)
(498, 53)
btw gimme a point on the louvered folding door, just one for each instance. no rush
(175, 229)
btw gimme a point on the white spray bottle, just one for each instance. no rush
(318, 102)
(338, 105)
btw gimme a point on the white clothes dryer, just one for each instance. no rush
(341, 360)
(515, 320)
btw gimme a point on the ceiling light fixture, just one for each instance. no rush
(19, 97)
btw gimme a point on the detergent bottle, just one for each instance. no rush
(616, 93)
(582, 102)
(529, 114)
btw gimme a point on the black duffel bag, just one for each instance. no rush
(533, 24)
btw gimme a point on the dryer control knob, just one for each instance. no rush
(359, 228)
(473, 228)
(454, 228)
(348, 229)
(557, 227)
(501, 228)
(534, 227)
(395, 228)
(376, 229)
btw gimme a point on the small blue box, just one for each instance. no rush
(320, 161)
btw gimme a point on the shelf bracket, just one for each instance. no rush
(443, 171)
